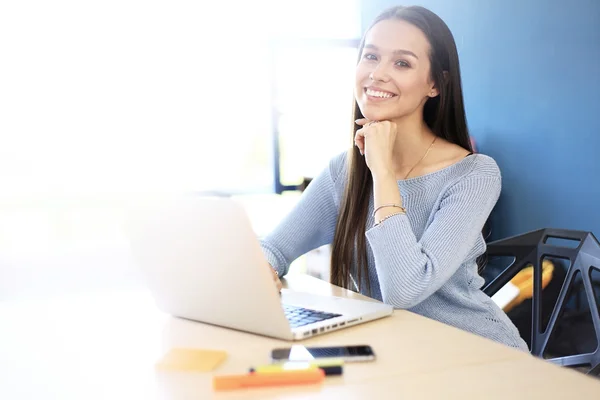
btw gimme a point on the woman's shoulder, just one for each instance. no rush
(468, 164)
(338, 165)
(484, 166)
(476, 172)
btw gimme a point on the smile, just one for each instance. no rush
(379, 94)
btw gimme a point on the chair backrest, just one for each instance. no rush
(530, 249)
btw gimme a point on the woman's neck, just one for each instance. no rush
(412, 140)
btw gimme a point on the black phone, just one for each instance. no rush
(302, 353)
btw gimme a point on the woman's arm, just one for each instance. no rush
(409, 271)
(310, 224)
(385, 191)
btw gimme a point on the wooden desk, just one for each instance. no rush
(104, 345)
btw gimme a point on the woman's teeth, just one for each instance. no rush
(375, 93)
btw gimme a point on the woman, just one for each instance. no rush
(404, 209)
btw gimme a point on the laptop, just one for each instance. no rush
(202, 261)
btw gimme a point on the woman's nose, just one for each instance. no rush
(379, 73)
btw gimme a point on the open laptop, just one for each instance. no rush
(203, 262)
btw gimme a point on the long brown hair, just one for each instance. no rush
(443, 114)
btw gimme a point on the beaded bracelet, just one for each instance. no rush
(402, 209)
(388, 216)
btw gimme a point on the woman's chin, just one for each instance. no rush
(374, 116)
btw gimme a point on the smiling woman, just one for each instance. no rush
(404, 209)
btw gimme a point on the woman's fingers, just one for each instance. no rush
(359, 141)
(276, 279)
(359, 138)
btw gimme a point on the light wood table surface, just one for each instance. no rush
(104, 345)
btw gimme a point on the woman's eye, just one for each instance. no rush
(370, 56)
(402, 64)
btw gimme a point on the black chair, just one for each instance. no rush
(530, 249)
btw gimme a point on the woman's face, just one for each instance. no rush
(393, 75)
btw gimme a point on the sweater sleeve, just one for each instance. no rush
(310, 224)
(410, 270)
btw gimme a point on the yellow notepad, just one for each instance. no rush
(181, 359)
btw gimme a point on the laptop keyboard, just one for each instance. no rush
(299, 316)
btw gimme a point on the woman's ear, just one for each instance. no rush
(434, 89)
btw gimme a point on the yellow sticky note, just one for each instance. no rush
(180, 359)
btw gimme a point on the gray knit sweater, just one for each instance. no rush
(423, 261)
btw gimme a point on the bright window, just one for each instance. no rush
(108, 100)
(314, 104)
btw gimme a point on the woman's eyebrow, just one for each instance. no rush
(396, 52)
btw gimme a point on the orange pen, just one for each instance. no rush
(280, 378)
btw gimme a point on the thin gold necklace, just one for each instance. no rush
(422, 158)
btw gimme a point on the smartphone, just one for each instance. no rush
(302, 353)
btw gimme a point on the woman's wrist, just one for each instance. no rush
(383, 174)
(387, 198)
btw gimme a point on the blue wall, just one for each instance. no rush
(531, 78)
